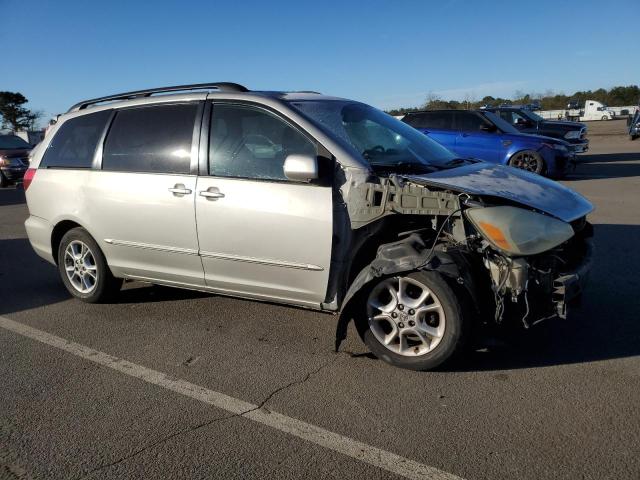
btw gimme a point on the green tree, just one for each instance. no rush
(14, 115)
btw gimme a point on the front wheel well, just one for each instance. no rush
(58, 232)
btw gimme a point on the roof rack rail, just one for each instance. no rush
(222, 86)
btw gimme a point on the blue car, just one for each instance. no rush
(484, 135)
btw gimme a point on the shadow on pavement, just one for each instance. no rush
(610, 165)
(605, 325)
(11, 196)
(29, 282)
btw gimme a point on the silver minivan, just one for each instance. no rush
(308, 200)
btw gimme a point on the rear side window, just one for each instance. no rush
(249, 142)
(434, 120)
(74, 144)
(469, 122)
(151, 139)
(506, 115)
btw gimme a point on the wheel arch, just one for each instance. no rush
(60, 228)
(455, 269)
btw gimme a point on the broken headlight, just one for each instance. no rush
(516, 231)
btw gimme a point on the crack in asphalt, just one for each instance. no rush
(215, 420)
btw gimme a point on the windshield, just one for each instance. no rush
(533, 116)
(503, 125)
(380, 139)
(11, 142)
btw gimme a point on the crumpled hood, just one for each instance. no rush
(512, 184)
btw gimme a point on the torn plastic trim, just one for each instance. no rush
(406, 255)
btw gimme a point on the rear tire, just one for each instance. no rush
(421, 326)
(4, 182)
(83, 268)
(528, 160)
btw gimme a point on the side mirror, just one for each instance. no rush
(301, 168)
(487, 127)
(521, 121)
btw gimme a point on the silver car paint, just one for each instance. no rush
(267, 240)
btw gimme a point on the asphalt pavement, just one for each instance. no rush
(167, 383)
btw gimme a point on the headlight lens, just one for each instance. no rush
(556, 146)
(516, 231)
(572, 134)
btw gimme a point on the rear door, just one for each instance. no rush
(473, 142)
(261, 235)
(142, 198)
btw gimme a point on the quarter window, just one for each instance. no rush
(248, 142)
(74, 144)
(151, 139)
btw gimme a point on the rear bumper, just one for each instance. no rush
(39, 233)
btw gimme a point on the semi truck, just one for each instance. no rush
(592, 110)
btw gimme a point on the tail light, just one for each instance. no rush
(28, 177)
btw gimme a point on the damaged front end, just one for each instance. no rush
(515, 263)
(538, 287)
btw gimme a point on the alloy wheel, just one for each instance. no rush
(405, 316)
(80, 266)
(526, 161)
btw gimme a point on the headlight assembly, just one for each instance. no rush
(516, 231)
(556, 146)
(572, 134)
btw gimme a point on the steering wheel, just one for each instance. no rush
(377, 148)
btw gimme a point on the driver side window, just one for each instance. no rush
(249, 142)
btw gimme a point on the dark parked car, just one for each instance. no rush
(527, 121)
(634, 125)
(14, 159)
(484, 135)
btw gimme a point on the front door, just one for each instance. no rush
(261, 235)
(472, 142)
(142, 199)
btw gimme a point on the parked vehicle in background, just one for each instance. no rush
(526, 121)
(634, 125)
(307, 200)
(14, 159)
(484, 135)
(592, 110)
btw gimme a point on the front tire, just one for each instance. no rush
(4, 182)
(413, 321)
(528, 160)
(605, 118)
(83, 268)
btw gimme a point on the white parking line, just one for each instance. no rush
(311, 433)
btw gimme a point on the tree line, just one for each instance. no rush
(616, 96)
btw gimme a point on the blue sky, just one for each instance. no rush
(387, 53)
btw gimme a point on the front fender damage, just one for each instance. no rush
(406, 255)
